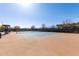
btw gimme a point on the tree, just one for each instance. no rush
(43, 26)
(2, 28)
(17, 28)
(67, 21)
(33, 27)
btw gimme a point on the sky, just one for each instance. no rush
(37, 14)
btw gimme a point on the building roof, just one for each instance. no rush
(5, 25)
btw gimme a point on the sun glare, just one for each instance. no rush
(25, 4)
